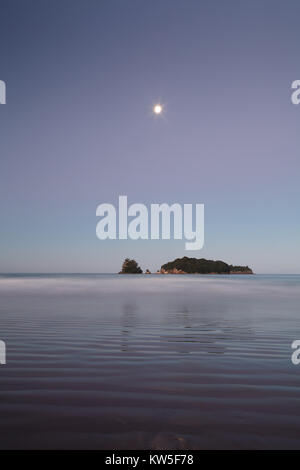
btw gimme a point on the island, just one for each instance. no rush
(187, 265)
(130, 266)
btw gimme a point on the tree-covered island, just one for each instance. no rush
(187, 265)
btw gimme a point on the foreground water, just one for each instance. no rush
(149, 362)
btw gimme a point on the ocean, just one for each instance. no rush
(149, 362)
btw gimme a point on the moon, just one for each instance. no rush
(157, 108)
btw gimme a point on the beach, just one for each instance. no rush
(149, 362)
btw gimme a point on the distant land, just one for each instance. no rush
(187, 265)
(130, 266)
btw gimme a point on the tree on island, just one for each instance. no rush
(130, 266)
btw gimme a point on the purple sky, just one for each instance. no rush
(77, 129)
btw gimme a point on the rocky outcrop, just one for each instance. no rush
(171, 271)
(130, 266)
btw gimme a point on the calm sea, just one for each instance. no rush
(149, 362)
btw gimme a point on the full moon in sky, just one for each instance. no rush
(157, 109)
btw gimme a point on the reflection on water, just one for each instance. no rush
(128, 321)
(162, 362)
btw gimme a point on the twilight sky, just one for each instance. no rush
(77, 129)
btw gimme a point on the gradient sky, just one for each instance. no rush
(77, 129)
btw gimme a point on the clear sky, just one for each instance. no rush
(77, 129)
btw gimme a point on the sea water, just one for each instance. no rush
(149, 361)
